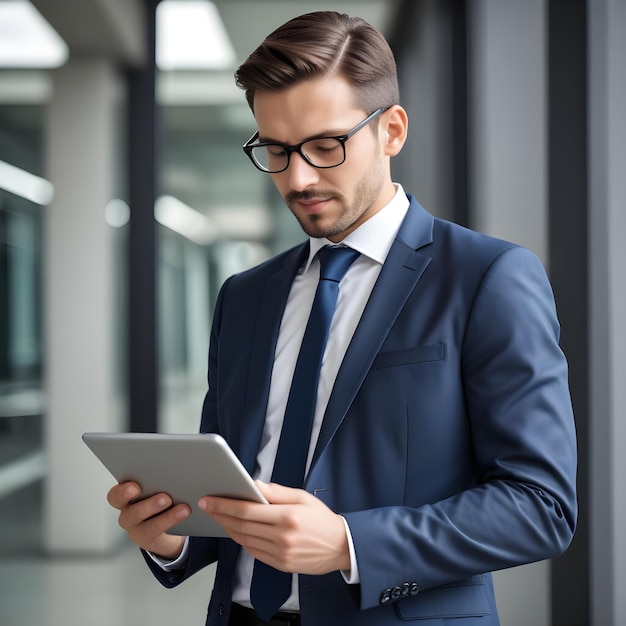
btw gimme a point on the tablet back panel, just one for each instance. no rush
(184, 466)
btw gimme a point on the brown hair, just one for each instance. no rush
(324, 43)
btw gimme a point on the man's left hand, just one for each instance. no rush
(295, 533)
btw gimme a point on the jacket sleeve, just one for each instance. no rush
(521, 506)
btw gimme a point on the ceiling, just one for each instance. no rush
(116, 27)
(249, 21)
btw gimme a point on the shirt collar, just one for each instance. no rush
(374, 237)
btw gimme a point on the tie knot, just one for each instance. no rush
(335, 261)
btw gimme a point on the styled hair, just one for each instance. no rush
(324, 43)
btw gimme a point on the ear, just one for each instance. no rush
(394, 128)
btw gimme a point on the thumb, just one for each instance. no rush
(279, 494)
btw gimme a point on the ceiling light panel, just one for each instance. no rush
(191, 35)
(26, 38)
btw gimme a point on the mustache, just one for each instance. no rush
(310, 194)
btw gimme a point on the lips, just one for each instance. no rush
(312, 206)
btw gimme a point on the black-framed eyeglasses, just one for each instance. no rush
(321, 152)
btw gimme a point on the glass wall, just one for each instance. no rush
(22, 462)
(27, 211)
(236, 220)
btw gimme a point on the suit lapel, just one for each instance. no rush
(398, 277)
(267, 327)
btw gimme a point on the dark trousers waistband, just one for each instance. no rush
(243, 616)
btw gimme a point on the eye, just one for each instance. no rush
(323, 145)
(276, 150)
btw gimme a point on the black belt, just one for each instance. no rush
(243, 616)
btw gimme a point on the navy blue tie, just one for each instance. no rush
(270, 587)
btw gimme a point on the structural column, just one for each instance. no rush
(83, 342)
(607, 309)
(143, 358)
(508, 189)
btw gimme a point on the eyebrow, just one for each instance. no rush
(326, 133)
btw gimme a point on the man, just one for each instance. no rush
(442, 444)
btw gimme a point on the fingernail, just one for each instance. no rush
(203, 504)
(131, 492)
(182, 514)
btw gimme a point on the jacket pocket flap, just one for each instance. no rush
(410, 356)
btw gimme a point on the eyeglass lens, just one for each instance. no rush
(323, 152)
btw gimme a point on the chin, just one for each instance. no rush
(318, 227)
(318, 231)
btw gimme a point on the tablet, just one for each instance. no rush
(186, 467)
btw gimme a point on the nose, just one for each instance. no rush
(300, 173)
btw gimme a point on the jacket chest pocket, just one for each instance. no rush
(410, 356)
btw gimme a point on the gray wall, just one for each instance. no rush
(520, 177)
(607, 308)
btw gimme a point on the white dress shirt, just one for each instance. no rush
(372, 239)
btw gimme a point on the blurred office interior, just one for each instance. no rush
(125, 201)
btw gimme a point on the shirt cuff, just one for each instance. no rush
(351, 577)
(178, 563)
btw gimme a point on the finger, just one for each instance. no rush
(121, 494)
(140, 511)
(258, 539)
(162, 522)
(149, 533)
(231, 510)
(279, 494)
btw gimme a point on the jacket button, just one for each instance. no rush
(396, 593)
(385, 596)
(414, 590)
(406, 588)
(221, 609)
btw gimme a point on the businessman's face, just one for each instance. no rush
(327, 202)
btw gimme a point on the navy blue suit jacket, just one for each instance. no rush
(448, 443)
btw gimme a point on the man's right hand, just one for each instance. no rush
(147, 521)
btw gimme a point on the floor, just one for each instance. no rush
(120, 591)
(106, 591)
